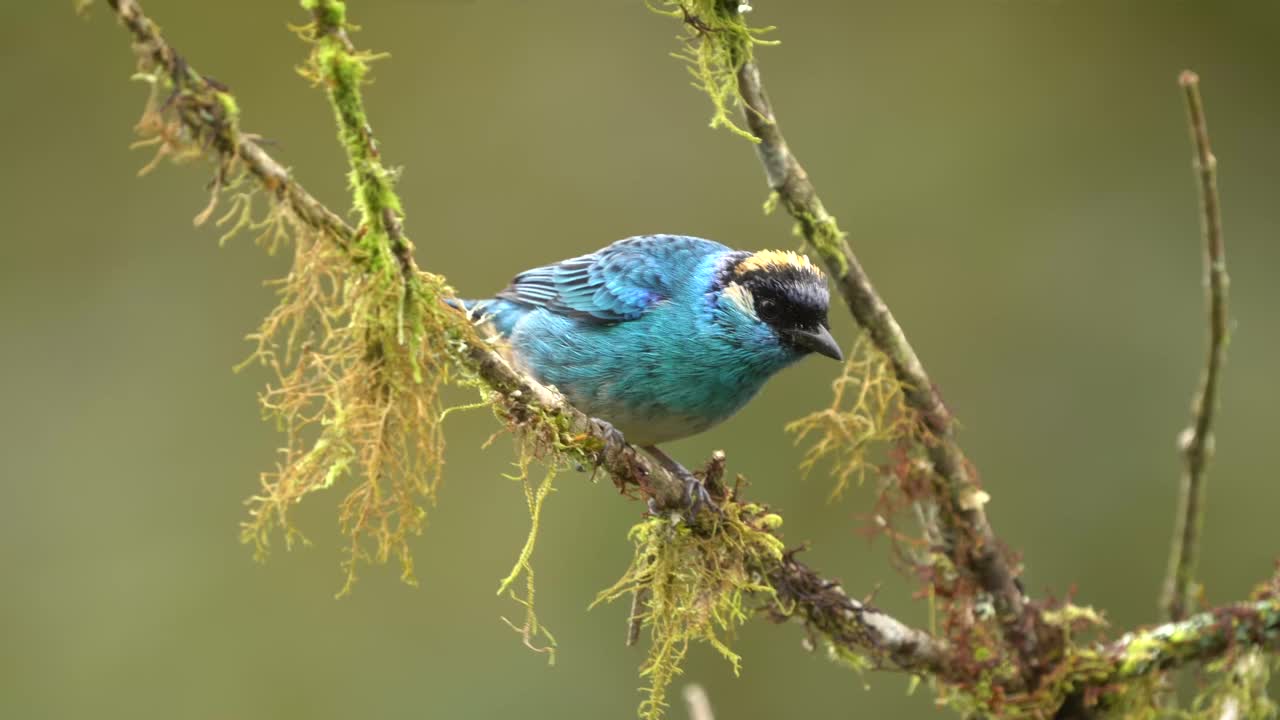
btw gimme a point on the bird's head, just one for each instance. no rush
(786, 293)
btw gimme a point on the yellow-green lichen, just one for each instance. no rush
(697, 581)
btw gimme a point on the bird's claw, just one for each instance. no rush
(610, 434)
(696, 497)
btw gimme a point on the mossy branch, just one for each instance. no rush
(542, 414)
(1196, 442)
(419, 338)
(971, 542)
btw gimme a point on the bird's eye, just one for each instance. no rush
(767, 308)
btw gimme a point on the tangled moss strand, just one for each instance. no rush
(867, 410)
(697, 581)
(359, 349)
(535, 495)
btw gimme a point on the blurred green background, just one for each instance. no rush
(1014, 174)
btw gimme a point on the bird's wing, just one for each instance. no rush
(614, 284)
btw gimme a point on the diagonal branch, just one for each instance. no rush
(820, 604)
(848, 623)
(1196, 442)
(972, 544)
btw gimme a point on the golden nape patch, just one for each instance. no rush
(741, 297)
(778, 260)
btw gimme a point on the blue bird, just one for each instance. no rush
(663, 336)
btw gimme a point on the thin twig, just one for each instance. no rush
(695, 697)
(1196, 442)
(853, 626)
(971, 542)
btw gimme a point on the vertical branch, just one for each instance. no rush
(1196, 442)
(341, 68)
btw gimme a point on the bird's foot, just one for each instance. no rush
(611, 435)
(696, 495)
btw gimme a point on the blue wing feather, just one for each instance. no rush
(614, 284)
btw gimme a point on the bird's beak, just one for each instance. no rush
(818, 340)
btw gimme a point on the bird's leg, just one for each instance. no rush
(695, 493)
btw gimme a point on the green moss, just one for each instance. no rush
(531, 629)
(819, 227)
(717, 42)
(331, 12)
(698, 581)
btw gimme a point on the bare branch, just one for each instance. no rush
(695, 697)
(972, 544)
(1196, 442)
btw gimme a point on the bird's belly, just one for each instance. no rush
(649, 413)
(654, 384)
(655, 430)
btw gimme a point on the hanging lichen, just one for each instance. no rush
(697, 581)
(867, 411)
(360, 346)
(530, 629)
